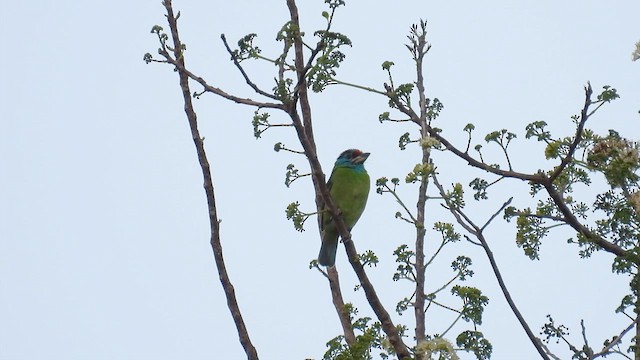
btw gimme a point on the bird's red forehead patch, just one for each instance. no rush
(357, 152)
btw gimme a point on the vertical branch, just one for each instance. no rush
(338, 303)
(419, 303)
(305, 134)
(301, 87)
(635, 288)
(208, 187)
(419, 51)
(304, 129)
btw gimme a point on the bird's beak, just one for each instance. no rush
(361, 158)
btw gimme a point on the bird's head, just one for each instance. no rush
(352, 158)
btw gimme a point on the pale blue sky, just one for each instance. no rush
(104, 245)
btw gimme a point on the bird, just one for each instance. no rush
(348, 185)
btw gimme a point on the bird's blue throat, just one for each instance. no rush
(345, 163)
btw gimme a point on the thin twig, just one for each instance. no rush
(586, 348)
(542, 217)
(496, 213)
(234, 58)
(179, 64)
(578, 137)
(395, 195)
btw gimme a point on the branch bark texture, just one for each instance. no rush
(216, 245)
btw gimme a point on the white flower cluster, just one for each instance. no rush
(429, 142)
(439, 346)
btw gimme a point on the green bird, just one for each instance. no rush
(349, 187)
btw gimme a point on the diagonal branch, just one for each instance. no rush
(177, 60)
(504, 206)
(477, 232)
(616, 339)
(537, 178)
(216, 245)
(304, 130)
(234, 58)
(573, 221)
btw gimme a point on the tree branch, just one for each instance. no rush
(504, 206)
(584, 116)
(536, 178)
(178, 61)
(216, 245)
(338, 303)
(305, 134)
(419, 49)
(477, 232)
(572, 221)
(616, 339)
(244, 74)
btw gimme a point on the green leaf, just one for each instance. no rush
(475, 342)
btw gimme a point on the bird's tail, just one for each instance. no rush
(327, 256)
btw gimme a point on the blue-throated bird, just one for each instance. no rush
(349, 187)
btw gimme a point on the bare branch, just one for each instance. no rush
(616, 339)
(234, 58)
(546, 349)
(338, 303)
(496, 213)
(216, 245)
(179, 64)
(542, 217)
(395, 195)
(586, 348)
